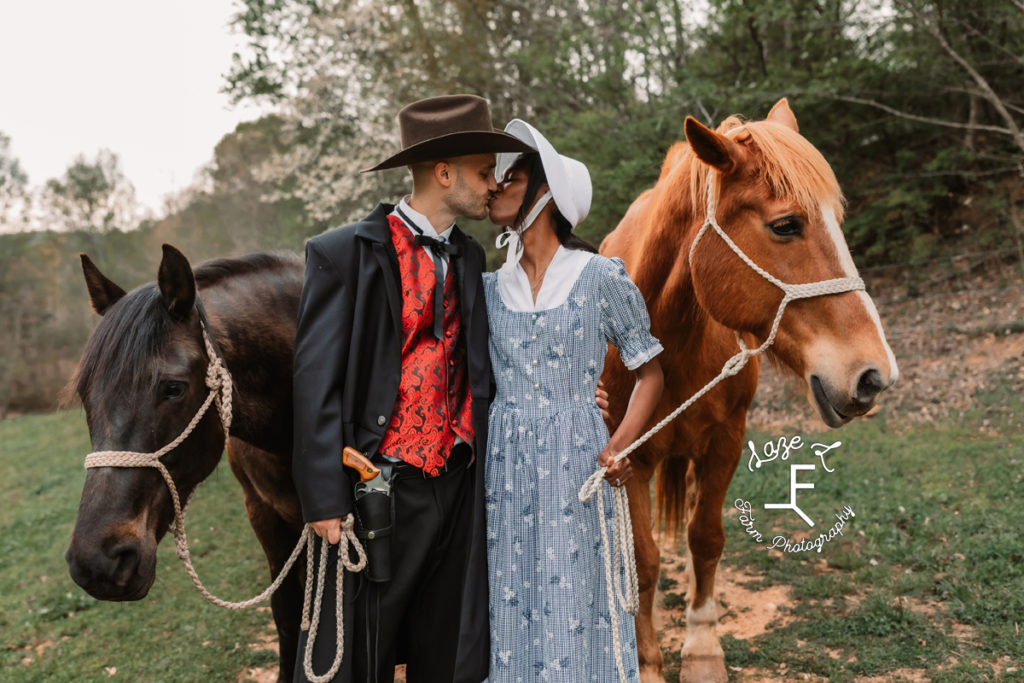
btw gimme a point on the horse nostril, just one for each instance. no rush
(125, 557)
(869, 385)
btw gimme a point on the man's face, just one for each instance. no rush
(474, 184)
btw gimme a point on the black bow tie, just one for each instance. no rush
(437, 246)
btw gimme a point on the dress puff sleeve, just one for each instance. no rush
(624, 316)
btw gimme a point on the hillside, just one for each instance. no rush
(959, 344)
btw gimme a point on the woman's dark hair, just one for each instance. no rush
(531, 164)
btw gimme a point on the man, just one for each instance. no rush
(391, 359)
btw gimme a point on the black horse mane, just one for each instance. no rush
(216, 270)
(134, 330)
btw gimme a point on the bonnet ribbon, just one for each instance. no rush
(513, 237)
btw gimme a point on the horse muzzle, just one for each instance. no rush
(837, 407)
(118, 570)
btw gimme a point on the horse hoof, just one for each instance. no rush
(703, 669)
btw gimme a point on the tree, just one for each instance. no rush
(916, 103)
(13, 181)
(333, 68)
(92, 195)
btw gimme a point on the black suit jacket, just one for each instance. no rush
(347, 370)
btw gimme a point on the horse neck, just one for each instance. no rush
(666, 280)
(253, 320)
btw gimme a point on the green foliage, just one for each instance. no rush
(92, 195)
(906, 101)
(915, 103)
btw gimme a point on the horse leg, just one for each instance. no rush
(648, 560)
(278, 538)
(702, 657)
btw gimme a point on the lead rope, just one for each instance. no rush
(218, 381)
(621, 521)
(348, 540)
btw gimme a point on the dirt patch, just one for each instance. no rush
(267, 674)
(34, 649)
(743, 612)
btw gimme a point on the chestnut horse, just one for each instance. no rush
(779, 202)
(141, 380)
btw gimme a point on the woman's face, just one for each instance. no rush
(505, 203)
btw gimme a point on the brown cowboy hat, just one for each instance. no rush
(448, 126)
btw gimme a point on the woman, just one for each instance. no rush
(552, 309)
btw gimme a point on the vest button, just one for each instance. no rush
(533, 317)
(534, 361)
(381, 420)
(536, 387)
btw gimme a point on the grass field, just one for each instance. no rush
(52, 631)
(926, 582)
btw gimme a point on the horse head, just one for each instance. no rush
(141, 380)
(778, 201)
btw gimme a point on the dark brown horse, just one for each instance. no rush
(779, 202)
(141, 379)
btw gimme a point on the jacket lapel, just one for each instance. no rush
(375, 229)
(467, 270)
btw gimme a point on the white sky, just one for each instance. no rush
(139, 77)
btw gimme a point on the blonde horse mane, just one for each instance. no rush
(788, 163)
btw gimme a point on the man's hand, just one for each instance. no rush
(328, 529)
(619, 473)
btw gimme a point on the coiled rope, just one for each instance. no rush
(621, 521)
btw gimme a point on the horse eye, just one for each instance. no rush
(790, 226)
(170, 391)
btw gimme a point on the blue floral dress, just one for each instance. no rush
(549, 610)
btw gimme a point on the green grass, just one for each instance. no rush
(929, 576)
(50, 630)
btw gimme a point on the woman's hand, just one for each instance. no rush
(618, 473)
(642, 403)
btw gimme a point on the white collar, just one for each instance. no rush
(421, 221)
(562, 273)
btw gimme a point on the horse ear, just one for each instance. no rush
(782, 114)
(103, 293)
(176, 282)
(710, 147)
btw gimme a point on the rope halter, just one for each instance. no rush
(791, 292)
(623, 549)
(221, 388)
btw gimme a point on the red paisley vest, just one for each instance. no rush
(434, 404)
